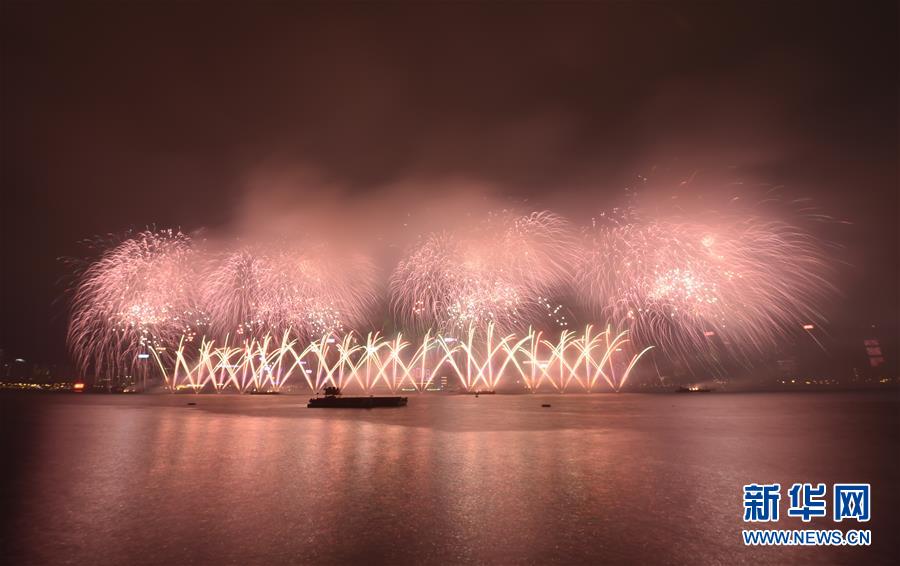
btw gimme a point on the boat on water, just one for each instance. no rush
(693, 389)
(334, 400)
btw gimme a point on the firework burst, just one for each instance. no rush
(157, 289)
(138, 295)
(736, 280)
(691, 284)
(274, 289)
(497, 273)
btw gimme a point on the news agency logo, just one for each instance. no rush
(849, 501)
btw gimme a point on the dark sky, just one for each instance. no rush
(127, 116)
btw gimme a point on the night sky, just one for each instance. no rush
(118, 117)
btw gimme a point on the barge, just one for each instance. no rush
(334, 400)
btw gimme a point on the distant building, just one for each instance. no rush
(17, 369)
(788, 367)
(874, 352)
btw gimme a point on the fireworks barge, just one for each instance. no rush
(334, 400)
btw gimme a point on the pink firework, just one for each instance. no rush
(276, 288)
(497, 273)
(138, 296)
(688, 284)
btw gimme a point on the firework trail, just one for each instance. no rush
(586, 361)
(137, 296)
(499, 273)
(689, 286)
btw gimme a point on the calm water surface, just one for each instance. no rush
(448, 479)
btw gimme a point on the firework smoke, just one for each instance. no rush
(705, 283)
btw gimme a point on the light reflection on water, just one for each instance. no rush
(448, 479)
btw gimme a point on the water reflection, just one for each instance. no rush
(448, 479)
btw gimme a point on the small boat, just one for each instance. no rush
(334, 400)
(692, 389)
